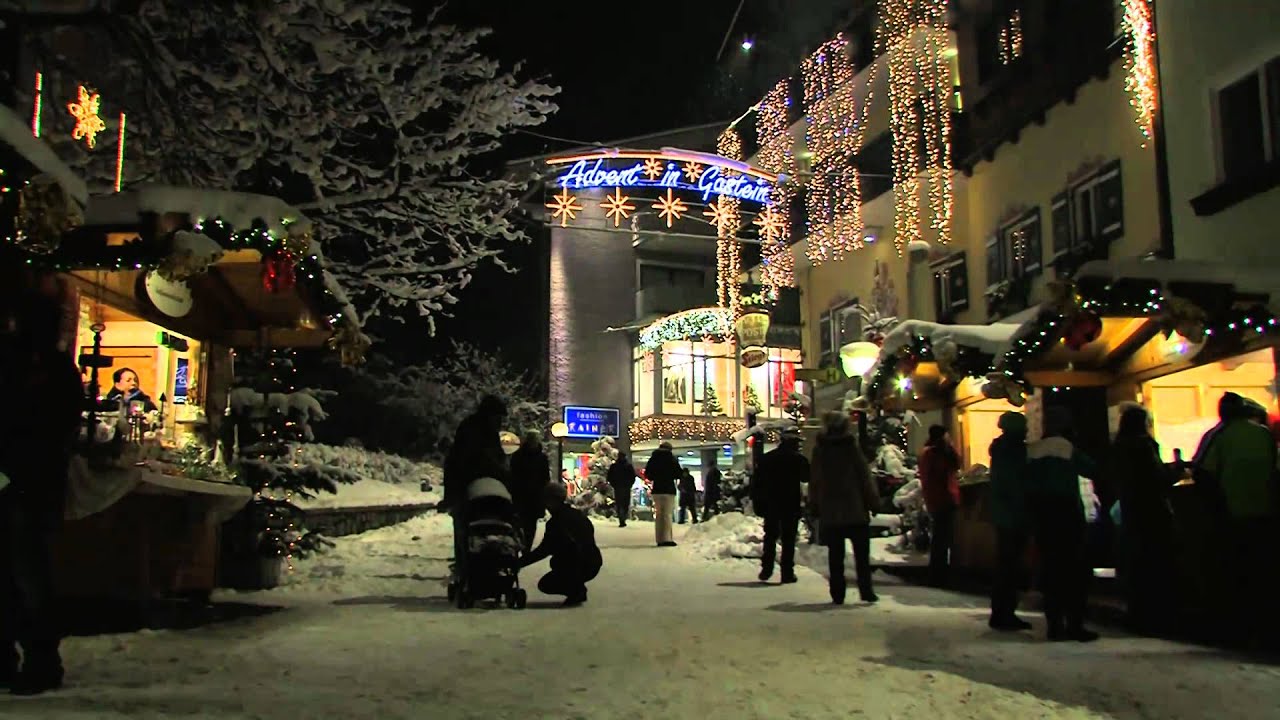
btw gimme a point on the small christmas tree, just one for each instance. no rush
(595, 495)
(711, 401)
(751, 397)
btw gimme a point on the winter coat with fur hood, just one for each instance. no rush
(1054, 468)
(841, 490)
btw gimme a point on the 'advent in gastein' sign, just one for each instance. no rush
(710, 181)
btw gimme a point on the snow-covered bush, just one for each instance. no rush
(735, 491)
(371, 464)
(596, 495)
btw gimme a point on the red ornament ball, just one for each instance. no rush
(1082, 330)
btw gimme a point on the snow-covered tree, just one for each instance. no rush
(711, 401)
(735, 491)
(413, 410)
(375, 120)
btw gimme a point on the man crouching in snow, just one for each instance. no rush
(569, 539)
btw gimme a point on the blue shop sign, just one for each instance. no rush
(591, 422)
(181, 381)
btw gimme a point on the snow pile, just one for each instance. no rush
(384, 479)
(727, 536)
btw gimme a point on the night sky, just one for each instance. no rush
(624, 70)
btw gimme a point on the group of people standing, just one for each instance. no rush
(671, 485)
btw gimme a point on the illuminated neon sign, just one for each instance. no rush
(707, 175)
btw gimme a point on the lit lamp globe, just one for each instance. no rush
(753, 327)
(510, 441)
(857, 358)
(559, 430)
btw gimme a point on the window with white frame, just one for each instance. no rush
(1249, 122)
(950, 286)
(1089, 212)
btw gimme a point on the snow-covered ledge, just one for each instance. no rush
(1254, 279)
(990, 339)
(238, 209)
(16, 132)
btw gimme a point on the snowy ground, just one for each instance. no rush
(384, 479)
(667, 634)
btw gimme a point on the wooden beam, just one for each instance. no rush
(279, 338)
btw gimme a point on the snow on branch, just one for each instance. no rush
(373, 122)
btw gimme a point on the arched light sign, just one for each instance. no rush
(708, 175)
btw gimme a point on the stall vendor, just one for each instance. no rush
(126, 390)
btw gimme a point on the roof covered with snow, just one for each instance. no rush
(991, 339)
(1247, 279)
(238, 209)
(17, 133)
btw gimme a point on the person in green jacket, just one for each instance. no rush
(1054, 468)
(1009, 514)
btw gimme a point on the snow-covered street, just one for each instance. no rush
(666, 634)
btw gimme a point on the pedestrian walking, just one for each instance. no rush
(842, 494)
(663, 472)
(777, 498)
(711, 492)
(1009, 515)
(1146, 521)
(622, 477)
(688, 496)
(939, 469)
(1054, 469)
(570, 542)
(530, 474)
(34, 459)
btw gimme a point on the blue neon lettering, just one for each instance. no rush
(590, 174)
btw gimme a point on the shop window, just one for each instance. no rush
(691, 373)
(838, 327)
(645, 374)
(771, 384)
(1090, 212)
(1249, 122)
(950, 287)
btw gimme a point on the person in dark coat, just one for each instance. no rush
(663, 472)
(1009, 515)
(939, 467)
(777, 499)
(35, 452)
(530, 474)
(1054, 469)
(688, 496)
(476, 452)
(711, 492)
(570, 541)
(842, 494)
(622, 477)
(1146, 520)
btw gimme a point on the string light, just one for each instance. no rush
(776, 155)
(696, 429)
(85, 111)
(120, 154)
(1141, 78)
(1011, 38)
(707, 323)
(914, 35)
(836, 128)
(38, 104)
(728, 217)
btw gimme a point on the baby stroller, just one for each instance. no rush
(490, 570)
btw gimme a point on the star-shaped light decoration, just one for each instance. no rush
(693, 171)
(670, 207)
(88, 124)
(617, 207)
(719, 213)
(564, 207)
(653, 168)
(770, 223)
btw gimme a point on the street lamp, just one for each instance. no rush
(560, 431)
(857, 358)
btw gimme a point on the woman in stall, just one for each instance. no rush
(126, 390)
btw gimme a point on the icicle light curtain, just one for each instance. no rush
(836, 128)
(728, 218)
(914, 35)
(777, 156)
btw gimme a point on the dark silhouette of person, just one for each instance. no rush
(939, 468)
(711, 493)
(1009, 515)
(570, 541)
(530, 474)
(842, 495)
(688, 496)
(778, 499)
(622, 477)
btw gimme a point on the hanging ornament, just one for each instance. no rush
(946, 352)
(279, 273)
(298, 242)
(1082, 329)
(45, 212)
(351, 345)
(1185, 318)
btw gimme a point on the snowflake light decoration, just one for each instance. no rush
(617, 207)
(564, 207)
(670, 207)
(653, 167)
(719, 212)
(770, 222)
(88, 124)
(693, 171)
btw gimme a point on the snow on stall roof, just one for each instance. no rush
(991, 339)
(17, 132)
(238, 209)
(1249, 279)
